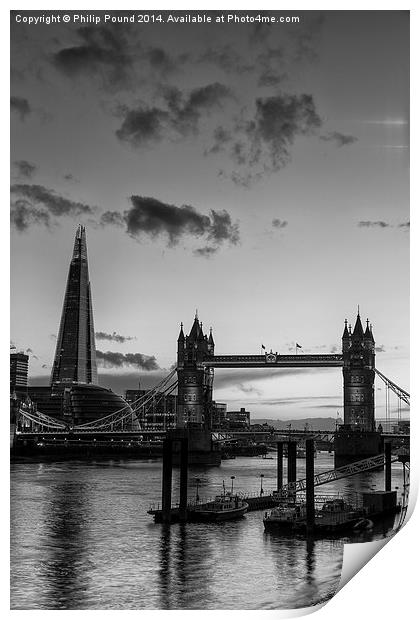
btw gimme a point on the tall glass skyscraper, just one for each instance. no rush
(75, 355)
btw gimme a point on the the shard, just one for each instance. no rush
(75, 355)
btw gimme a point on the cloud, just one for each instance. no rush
(114, 337)
(153, 218)
(340, 139)
(102, 53)
(111, 359)
(262, 144)
(370, 224)
(20, 106)
(221, 137)
(36, 204)
(233, 378)
(178, 118)
(271, 78)
(205, 252)
(249, 389)
(276, 223)
(226, 59)
(380, 349)
(24, 168)
(405, 225)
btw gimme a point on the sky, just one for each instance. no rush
(257, 173)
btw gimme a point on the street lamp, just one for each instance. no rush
(197, 482)
(232, 478)
(261, 489)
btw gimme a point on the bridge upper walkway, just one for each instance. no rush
(273, 360)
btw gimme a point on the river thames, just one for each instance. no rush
(81, 538)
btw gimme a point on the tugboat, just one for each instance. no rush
(286, 518)
(224, 507)
(336, 515)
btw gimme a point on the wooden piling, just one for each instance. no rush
(183, 480)
(167, 480)
(388, 466)
(310, 489)
(279, 465)
(291, 464)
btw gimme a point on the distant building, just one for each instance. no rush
(18, 371)
(75, 354)
(158, 412)
(238, 419)
(218, 415)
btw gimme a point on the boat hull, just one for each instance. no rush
(216, 515)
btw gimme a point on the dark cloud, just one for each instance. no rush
(36, 204)
(114, 337)
(160, 60)
(271, 78)
(226, 59)
(370, 224)
(69, 177)
(221, 137)
(102, 53)
(23, 215)
(206, 252)
(340, 139)
(153, 218)
(143, 126)
(20, 106)
(262, 145)
(112, 359)
(24, 168)
(276, 223)
(178, 118)
(405, 225)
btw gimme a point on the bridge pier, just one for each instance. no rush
(279, 465)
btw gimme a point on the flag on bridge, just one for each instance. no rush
(298, 346)
(262, 347)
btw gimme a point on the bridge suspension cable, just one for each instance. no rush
(113, 421)
(402, 394)
(121, 415)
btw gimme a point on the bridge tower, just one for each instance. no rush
(359, 376)
(357, 437)
(195, 381)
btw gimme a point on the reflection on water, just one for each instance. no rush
(81, 539)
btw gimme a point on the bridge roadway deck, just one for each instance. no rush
(263, 435)
(273, 360)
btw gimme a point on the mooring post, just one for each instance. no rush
(291, 464)
(167, 480)
(310, 489)
(388, 466)
(183, 480)
(279, 465)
